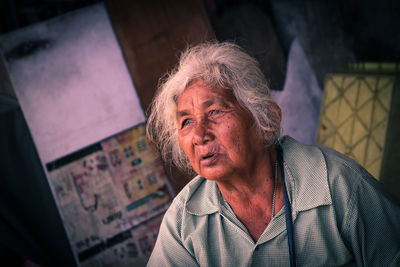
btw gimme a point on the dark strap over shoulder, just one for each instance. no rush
(288, 212)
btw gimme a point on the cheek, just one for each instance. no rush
(185, 144)
(181, 141)
(238, 144)
(234, 137)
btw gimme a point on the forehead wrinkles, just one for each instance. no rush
(198, 96)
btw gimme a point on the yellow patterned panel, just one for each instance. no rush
(354, 117)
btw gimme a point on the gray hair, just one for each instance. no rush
(216, 64)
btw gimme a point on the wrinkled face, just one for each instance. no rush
(215, 132)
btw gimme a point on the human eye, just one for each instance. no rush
(215, 112)
(185, 122)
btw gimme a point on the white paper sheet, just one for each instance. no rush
(71, 81)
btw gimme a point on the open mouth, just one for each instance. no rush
(208, 159)
(209, 155)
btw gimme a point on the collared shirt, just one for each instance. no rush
(341, 216)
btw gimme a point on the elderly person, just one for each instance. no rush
(258, 200)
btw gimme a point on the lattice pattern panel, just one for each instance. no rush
(354, 117)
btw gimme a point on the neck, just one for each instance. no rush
(251, 198)
(258, 181)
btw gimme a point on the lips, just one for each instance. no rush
(208, 159)
(208, 155)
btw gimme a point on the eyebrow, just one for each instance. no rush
(212, 101)
(205, 104)
(181, 113)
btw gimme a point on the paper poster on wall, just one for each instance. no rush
(129, 248)
(138, 176)
(80, 104)
(107, 193)
(71, 81)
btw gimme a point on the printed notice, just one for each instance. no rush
(107, 194)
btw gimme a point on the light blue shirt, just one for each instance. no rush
(341, 216)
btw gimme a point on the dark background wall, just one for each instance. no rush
(330, 32)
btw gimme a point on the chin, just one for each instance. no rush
(211, 178)
(214, 175)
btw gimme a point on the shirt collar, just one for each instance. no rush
(203, 197)
(305, 176)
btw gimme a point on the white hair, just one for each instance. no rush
(216, 64)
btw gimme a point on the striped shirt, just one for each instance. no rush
(341, 216)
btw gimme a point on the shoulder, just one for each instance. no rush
(327, 162)
(349, 185)
(348, 178)
(191, 206)
(199, 197)
(175, 218)
(366, 214)
(302, 153)
(179, 203)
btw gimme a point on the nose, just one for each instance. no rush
(202, 134)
